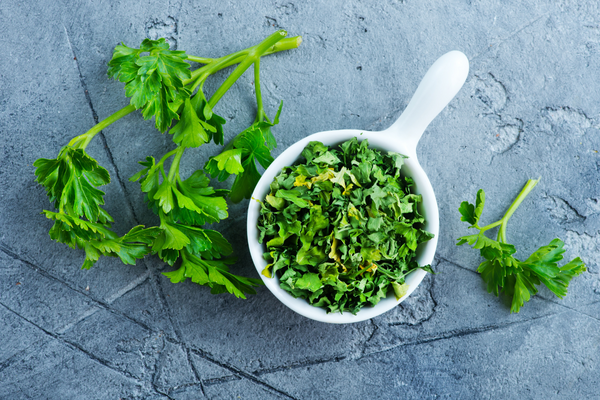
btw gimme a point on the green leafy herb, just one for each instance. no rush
(71, 181)
(504, 273)
(155, 82)
(160, 84)
(342, 229)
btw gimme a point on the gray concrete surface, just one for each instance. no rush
(530, 107)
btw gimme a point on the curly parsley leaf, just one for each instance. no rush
(227, 163)
(504, 273)
(213, 273)
(98, 240)
(191, 201)
(206, 114)
(204, 263)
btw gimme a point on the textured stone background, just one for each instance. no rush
(530, 107)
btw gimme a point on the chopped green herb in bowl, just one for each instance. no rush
(341, 227)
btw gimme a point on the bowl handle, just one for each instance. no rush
(439, 85)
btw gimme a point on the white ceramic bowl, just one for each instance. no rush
(440, 84)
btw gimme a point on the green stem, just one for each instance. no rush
(199, 82)
(218, 64)
(254, 53)
(164, 158)
(201, 60)
(260, 112)
(284, 44)
(274, 43)
(81, 141)
(513, 207)
(490, 226)
(164, 217)
(174, 168)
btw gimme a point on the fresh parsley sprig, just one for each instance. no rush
(504, 273)
(71, 181)
(161, 85)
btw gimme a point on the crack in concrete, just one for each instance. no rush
(158, 363)
(224, 379)
(456, 265)
(203, 354)
(299, 365)
(444, 336)
(99, 302)
(75, 346)
(461, 333)
(83, 316)
(419, 323)
(375, 329)
(17, 356)
(240, 373)
(156, 286)
(557, 205)
(188, 353)
(128, 288)
(571, 308)
(6, 250)
(101, 133)
(511, 35)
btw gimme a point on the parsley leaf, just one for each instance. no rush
(191, 131)
(252, 146)
(71, 180)
(155, 82)
(504, 273)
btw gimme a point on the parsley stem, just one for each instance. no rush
(164, 158)
(254, 53)
(200, 60)
(238, 56)
(490, 226)
(81, 141)
(199, 82)
(235, 58)
(513, 207)
(174, 168)
(218, 64)
(284, 44)
(260, 112)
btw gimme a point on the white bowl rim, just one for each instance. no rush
(429, 209)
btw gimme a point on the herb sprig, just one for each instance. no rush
(160, 84)
(504, 273)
